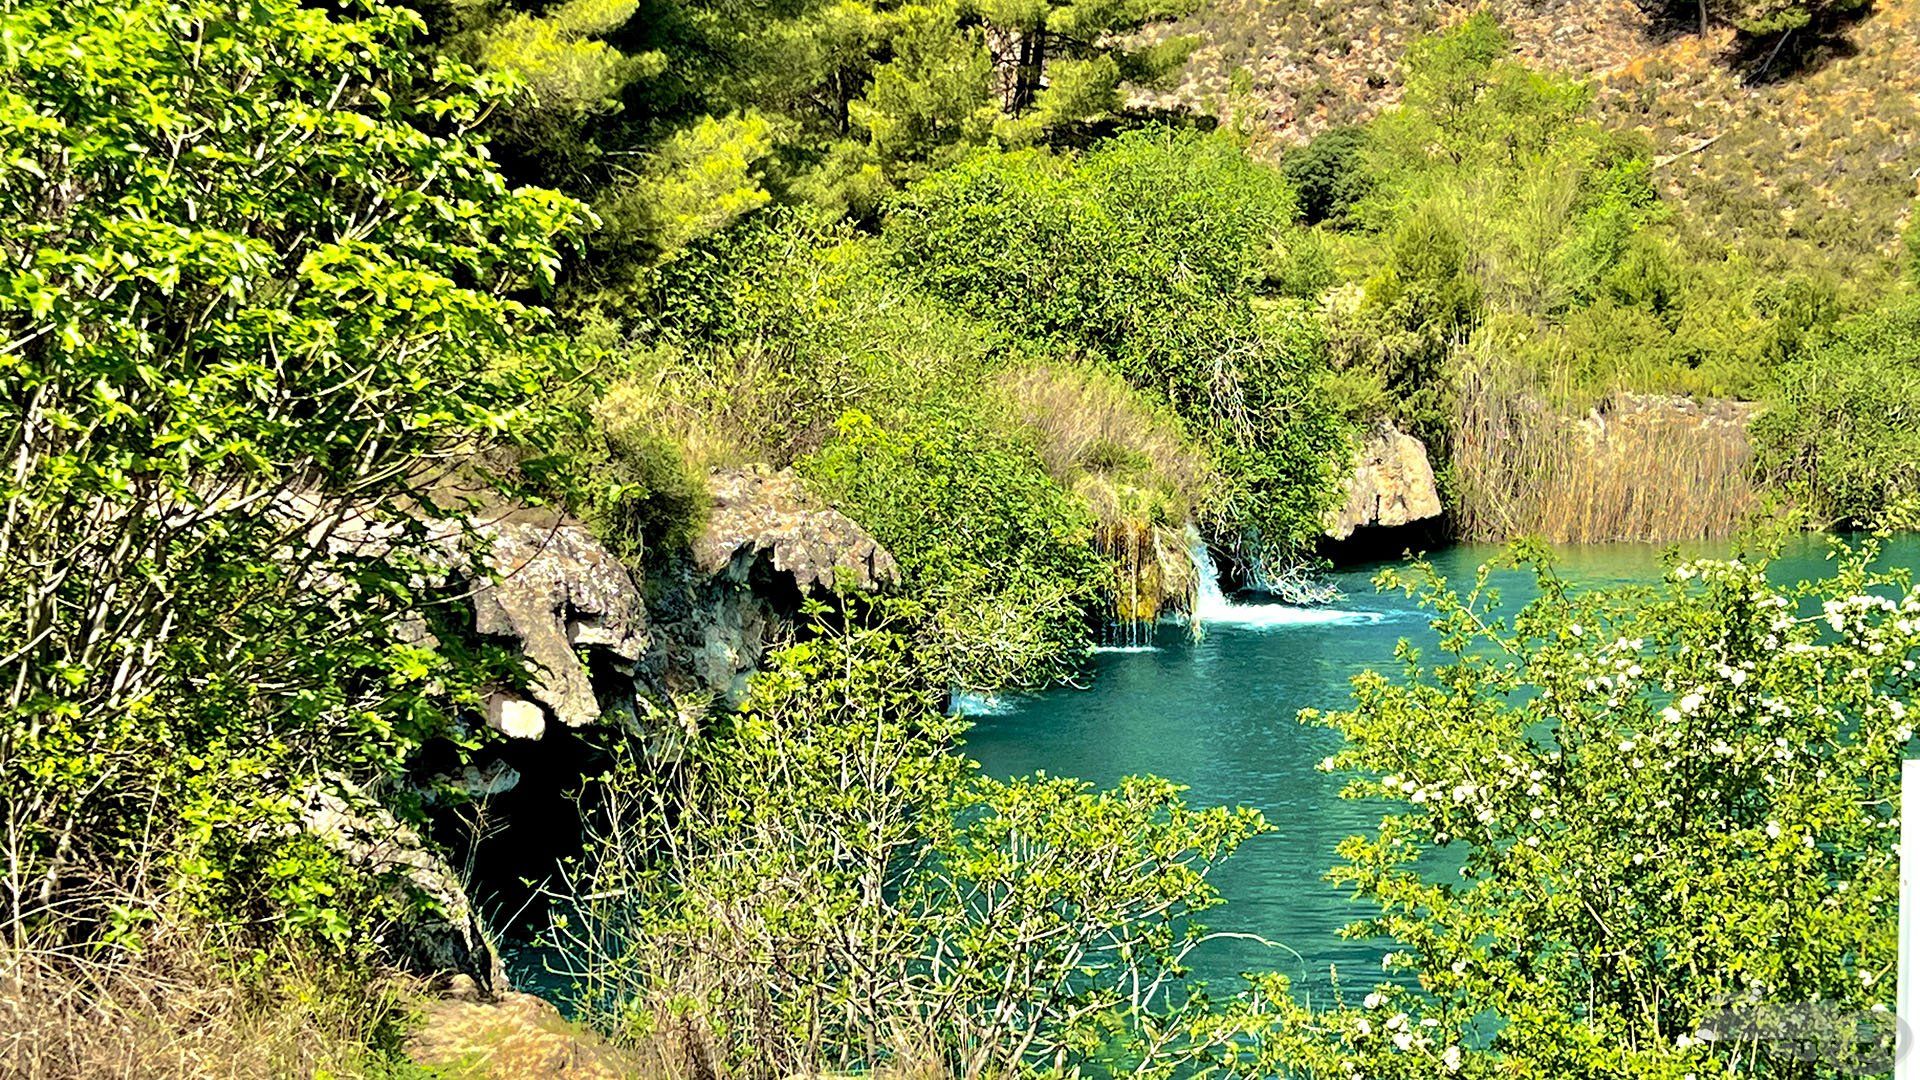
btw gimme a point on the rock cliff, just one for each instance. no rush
(766, 546)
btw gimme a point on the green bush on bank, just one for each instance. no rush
(963, 926)
(1843, 435)
(1143, 256)
(1671, 810)
(1002, 552)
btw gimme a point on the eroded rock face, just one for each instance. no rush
(758, 512)
(557, 590)
(767, 544)
(1392, 484)
(447, 937)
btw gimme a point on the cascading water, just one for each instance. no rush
(1213, 606)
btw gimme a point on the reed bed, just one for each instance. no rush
(1633, 468)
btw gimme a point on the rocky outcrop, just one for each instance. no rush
(767, 545)
(556, 591)
(443, 934)
(759, 513)
(1391, 484)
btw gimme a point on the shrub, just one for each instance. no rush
(1668, 808)
(1843, 431)
(962, 926)
(767, 333)
(1142, 256)
(649, 496)
(1330, 175)
(1003, 555)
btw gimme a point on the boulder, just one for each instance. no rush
(767, 544)
(444, 934)
(556, 590)
(1391, 484)
(511, 1036)
(762, 512)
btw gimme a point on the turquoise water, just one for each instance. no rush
(1219, 715)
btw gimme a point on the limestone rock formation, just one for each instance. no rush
(556, 590)
(1392, 484)
(761, 512)
(442, 938)
(767, 544)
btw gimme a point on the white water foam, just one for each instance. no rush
(965, 703)
(1211, 606)
(1125, 648)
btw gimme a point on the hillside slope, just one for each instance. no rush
(1824, 159)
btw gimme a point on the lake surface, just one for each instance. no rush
(1219, 715)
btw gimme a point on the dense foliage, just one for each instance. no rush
(1143, 256)
(1666, 808)
(980, 529)
(272, 316)
(1842, 438)
(963, 925)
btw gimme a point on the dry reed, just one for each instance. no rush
(1632, 469)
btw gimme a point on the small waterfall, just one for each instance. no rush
(1212, 605)
(1209, 603)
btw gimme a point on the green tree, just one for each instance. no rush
(1142, 255)
(1840, 437)
(259, 288)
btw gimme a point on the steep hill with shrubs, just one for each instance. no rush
(1818, 149)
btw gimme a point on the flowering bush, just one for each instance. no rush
(1621, 817)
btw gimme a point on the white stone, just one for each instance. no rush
(515, 717)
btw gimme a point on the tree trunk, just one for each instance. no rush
(1703, 17)
(1017, 61)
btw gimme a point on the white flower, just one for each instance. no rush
(1533, 841)
(1773, 830)
(1692, 702)
(1398, 1022)
(1364, 1026)
(1576, 630)
(1451, 1059)
(1536, 814)
(1403, 1042)
(1670, 714)
(1373, 1000)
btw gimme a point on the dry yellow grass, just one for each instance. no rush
(1825, 160)
(1134, 467)
(175, 1013)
